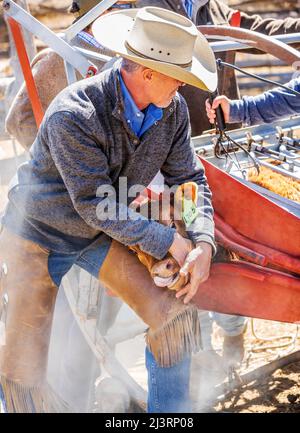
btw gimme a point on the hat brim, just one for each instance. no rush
(111, 31)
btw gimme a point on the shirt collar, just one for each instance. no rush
(133, 115)
(189, 6)
(136, 119)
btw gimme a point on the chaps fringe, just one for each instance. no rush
(17, 398)
(179, 336)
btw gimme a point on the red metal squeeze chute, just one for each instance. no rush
(266, 282)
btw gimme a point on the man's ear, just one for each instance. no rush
(147, 74)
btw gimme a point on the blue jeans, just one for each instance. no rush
(90, 259)
(231, 325)
(168, 388)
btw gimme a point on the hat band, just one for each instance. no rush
(181, 65)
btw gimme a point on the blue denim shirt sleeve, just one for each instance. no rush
(266, 107)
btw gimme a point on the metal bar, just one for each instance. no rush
(228, 45)
(259, 62)
(88, 18)
(72, 56)
(278, 156)
(263, 130)
(26, 69)
(92, 54)
(291, 143)
(70, 73)
(79, 61)
(278, 169)
(232, 45)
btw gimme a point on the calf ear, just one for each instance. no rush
(144, 258)
(186, 191)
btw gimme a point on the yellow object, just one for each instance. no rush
(276, 182)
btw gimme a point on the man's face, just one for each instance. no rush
(160, 88)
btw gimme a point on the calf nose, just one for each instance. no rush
(165, 268)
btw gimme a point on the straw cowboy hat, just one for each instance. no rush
(160, 40)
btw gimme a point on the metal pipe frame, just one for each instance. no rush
(60, 43)
(88, 18)
(61, 47)
(217, 47)
(77, 57)
(221, 46)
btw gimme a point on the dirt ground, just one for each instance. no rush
(278, 392)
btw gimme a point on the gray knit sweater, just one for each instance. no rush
(83, 143)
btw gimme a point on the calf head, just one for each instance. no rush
(165, 272)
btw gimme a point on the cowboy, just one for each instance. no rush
(50, 78)
(216, 12)
(48, 71)
(266, 107)
(100, 138)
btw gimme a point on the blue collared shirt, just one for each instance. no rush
(137, 120)
(188, 5)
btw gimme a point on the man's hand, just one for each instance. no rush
(180, 248)
(197, 263)
(211, 109)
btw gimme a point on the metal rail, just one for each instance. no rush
(218, 46)
(77, 58)
(88, 18)
(278, 143)
(61, 47)
(291, 38)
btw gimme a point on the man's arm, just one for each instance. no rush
(181, 166)
(84, 168)
(264, 108)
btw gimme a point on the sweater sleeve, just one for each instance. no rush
(84, 169)
(266, 107)
(183, 165)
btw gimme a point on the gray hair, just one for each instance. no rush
(130, 66)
